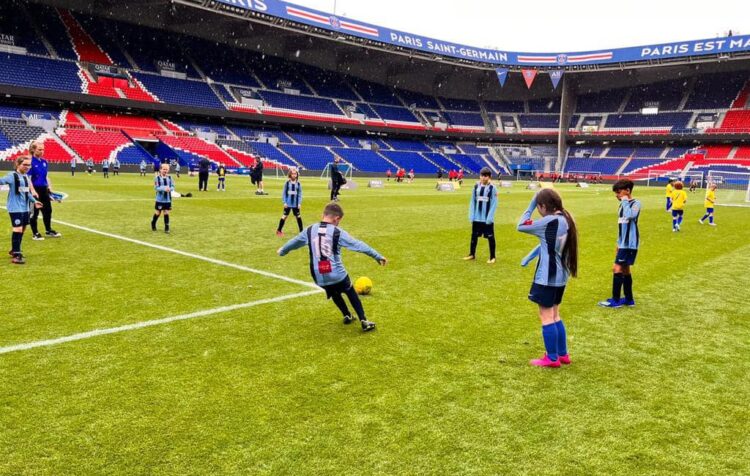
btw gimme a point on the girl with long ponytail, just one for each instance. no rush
(557, 255)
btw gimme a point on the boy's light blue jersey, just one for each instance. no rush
(552, 232)
(325, 241)
(292, 194)
(483, 203)
(160, 185)
(628, 236)
(19, 194)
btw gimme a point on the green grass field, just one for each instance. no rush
(443, 386)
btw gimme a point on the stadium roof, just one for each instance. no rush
(407, 68)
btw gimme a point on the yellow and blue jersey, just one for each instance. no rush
(679, 198)
(670, 190)
(710, 199)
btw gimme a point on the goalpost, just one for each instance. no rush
(526, 174)
(733, 188)
(344, 168)
(661, 178)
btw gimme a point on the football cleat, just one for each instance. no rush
(279, 233)
(565, 359)
(368, 326)
(491, 261)
(348, 319)
(53, 234)
(545, 362)
(611, 303)
(37, 237)
(627, 302)
(469, 258)
(18, 259)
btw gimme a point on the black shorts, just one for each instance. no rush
(294, 210)
(480, 228)
(626, 256)
(339, 288)
(163, 206)
(20, 218)
(546, 296)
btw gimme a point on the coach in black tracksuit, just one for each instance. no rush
(204, 167)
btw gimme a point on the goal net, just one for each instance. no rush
(526, 174)
(688, 178)
(344, 168)
(732, 188)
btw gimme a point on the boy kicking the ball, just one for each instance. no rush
(324, 241)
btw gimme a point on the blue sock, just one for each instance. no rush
(674, 223)
(679, 220)
(549, 334)
(704, 217)
(710, 218)
(562, 338)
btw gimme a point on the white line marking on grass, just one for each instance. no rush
(191, 255)
(156, 322)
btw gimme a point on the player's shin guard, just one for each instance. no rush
(299, 223)
(338, 300)
(15, 241)
(711, 218)
(154, 219)
(493, 246)
(166, 222)
(281, 224)
(617, 282)
(627, 282)
(562, 338)
(549, 334)
(356, 303)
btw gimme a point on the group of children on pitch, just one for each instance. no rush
(556, 253)
(677, 198)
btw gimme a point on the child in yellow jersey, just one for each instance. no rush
(669, 191)
(709, 204)
(679, 198)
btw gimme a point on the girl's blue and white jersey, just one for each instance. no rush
(292, 194)
(552, 232)
(325, 241)
(19, 194)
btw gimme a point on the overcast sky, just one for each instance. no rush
(549, 26)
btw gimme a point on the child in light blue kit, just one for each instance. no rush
(325, 240)
(557, 255)
(20, 199)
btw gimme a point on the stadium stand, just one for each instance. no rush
(37, 72)
(14, 23)
(180, 91)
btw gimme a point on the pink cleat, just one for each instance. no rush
(564, 359)
(279, 233)
(545, 362)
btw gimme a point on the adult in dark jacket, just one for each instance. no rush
(337, 179)
(204, 167)
(256, 177)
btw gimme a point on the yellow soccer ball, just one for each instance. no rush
(363, 285)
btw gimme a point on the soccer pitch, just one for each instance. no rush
(124, 351)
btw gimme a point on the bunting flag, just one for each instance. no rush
(555, 75)
(502, 75)
(528, 76)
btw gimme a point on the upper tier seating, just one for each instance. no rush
(180, 91)
(301, 103)
(42, 73)
(13, 22)
(48, 20)
(716, 91)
